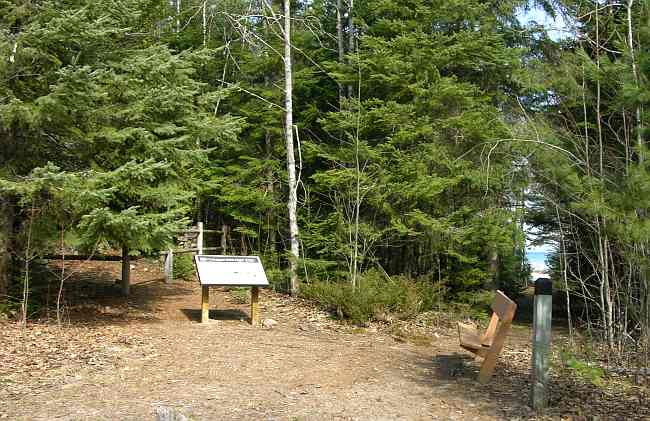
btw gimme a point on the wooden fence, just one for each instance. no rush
(198, 249)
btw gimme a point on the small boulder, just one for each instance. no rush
(268, 323)
(169, 414)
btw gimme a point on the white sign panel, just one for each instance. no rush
(230, 270)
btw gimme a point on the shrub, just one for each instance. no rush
(278, 279)
(376, 297)
(183, 266)
(583, 369)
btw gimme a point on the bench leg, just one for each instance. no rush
(490, 362)
(205, 304)
(487, 368)
(255, 307)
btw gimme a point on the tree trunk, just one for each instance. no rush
(341, 41)
(6, 249)
(563, 269)
(126, 271)
(204, 22)
(178, 16)
(270, 189)
(224, 238)
(357, 207)
(291, 162)
(244, 246)
(493, 269)
(635, 73)
(350, 38)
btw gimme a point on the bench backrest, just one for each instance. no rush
(503, 306)
(504, 311)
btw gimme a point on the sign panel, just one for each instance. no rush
(230, 270)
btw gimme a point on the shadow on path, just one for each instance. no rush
(194, 315)
(92, 293)
(504, 397)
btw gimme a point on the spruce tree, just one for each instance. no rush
(118, 111)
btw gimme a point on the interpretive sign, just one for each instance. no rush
(230, 270)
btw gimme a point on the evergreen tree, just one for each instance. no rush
(410, 165)
(114, 110)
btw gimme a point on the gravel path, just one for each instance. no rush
(124, 360)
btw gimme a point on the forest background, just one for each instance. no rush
(382, 156)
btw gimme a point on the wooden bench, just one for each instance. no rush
(489, 344)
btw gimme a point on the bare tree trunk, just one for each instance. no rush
(28, 258)
(14, 49)
(291, 161)
(584, 110)
(601, 223)
(639, 248)
(59, 295)
(178, 16)
(350, 37)
(244, 246)
(563, 266)
(598, 101)
(341, 42)
(204, 22)
(224, 238)
(357, 208)
(630, 37)
(493, 269)
(357, 197)
(270, 189)
(6, 240)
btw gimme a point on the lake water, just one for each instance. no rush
(537, 260)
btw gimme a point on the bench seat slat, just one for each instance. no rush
(471, 340)
(469, 336)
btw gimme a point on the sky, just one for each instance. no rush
(557, 28)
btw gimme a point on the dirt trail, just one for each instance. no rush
(120, 360)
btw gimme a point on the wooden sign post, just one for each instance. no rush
(542, 315)
(240, 271)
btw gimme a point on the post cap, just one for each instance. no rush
(543, 286)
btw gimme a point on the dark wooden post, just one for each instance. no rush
(542, 315)
(126, 271)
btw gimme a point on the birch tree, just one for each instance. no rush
(292, 203)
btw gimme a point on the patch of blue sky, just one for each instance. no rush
(536, 251)
(556, 26)
(537, 261)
